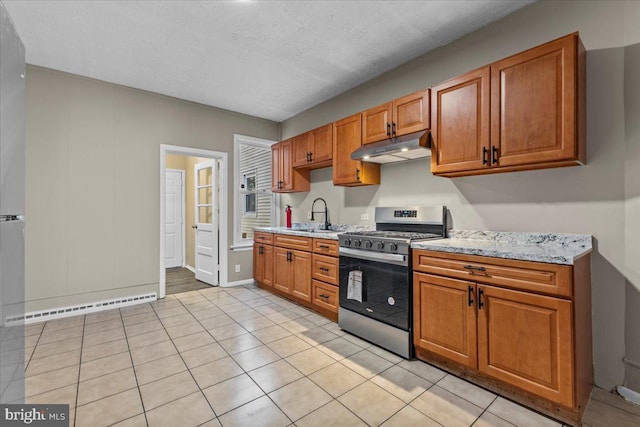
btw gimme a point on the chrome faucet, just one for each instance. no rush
(326, 212)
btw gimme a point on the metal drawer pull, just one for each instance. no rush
(323, 247)
(470, 296)
(480, 303)
(325, 269)
(471, 267)
(370, 310)
(324, 296)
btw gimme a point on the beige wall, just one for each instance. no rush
(92, 183)
(587, 199)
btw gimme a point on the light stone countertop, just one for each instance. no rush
(553, 248)
(303, 230)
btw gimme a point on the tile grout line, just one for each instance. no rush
(133, 368)
(75, 409)
(26, 366)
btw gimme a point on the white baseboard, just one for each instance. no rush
(74, 310)
(191, 269)
(629, 395)
(237, 283)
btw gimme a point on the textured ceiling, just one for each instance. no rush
(271, 59)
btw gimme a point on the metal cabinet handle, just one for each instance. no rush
(388, 130)
(324, 296)
(494, 154)
(484, 155)
(261, 250)
(473, 268)
(357, 174)
(323, 247)
(194, 226)
(470, 296)
(325, 269)
(393, 129)
(480, 303)
(310, 156)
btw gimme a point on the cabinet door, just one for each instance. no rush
(321, 144)
(346, 139)
(460, 123)
(301, 275)
(267, 269)
(533, 105)
(258, 263)
(281, 270)
(275, 167)
(286, 172)
(300, 147)
(411, 113)
(526, 340)
(445, 317)
(376, 123)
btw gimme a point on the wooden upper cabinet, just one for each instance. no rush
(533, 105)
(527, 340)
(399, 117)
(321, 145)
(347, 137)
(460, 123)
(285, 179)
(313, 149)
(411, 113)
(300, 150)
(376, 123)
(524, 112)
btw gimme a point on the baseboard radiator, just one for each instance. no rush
(74, 310)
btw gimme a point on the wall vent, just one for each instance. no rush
(57, 313)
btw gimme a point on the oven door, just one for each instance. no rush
(386, 286)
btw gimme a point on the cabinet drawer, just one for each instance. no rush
(262, 237)
(293, 242)
(325, 296)
(325, 268)
(539, 277)
(325, 247)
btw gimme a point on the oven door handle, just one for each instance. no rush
(396, 259)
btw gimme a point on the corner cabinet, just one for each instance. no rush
(347, 137)
(284, 178)
(524, 112)
(520, 328)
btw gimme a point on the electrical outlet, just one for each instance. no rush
(308, 214)
(237, 268)
(364, 217)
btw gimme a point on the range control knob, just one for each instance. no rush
(380, 245)
(357, 243)
(347, 242)
(368, 244)
(393, 246)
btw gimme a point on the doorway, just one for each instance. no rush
(205, 213)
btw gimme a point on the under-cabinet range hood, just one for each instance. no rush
(407, 147)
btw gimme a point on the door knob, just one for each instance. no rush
(194, 226)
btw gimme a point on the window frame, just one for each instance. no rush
(240, 244)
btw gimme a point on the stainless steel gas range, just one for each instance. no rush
(376, 296)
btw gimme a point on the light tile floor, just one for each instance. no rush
(243, 357)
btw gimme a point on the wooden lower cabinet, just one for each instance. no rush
(445, 317)
(292, 273)
(301, 275)
(528, 346)
(263, 264)
(281, 270)
(526, 340)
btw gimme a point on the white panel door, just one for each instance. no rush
(206, 226)
(174, 223)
